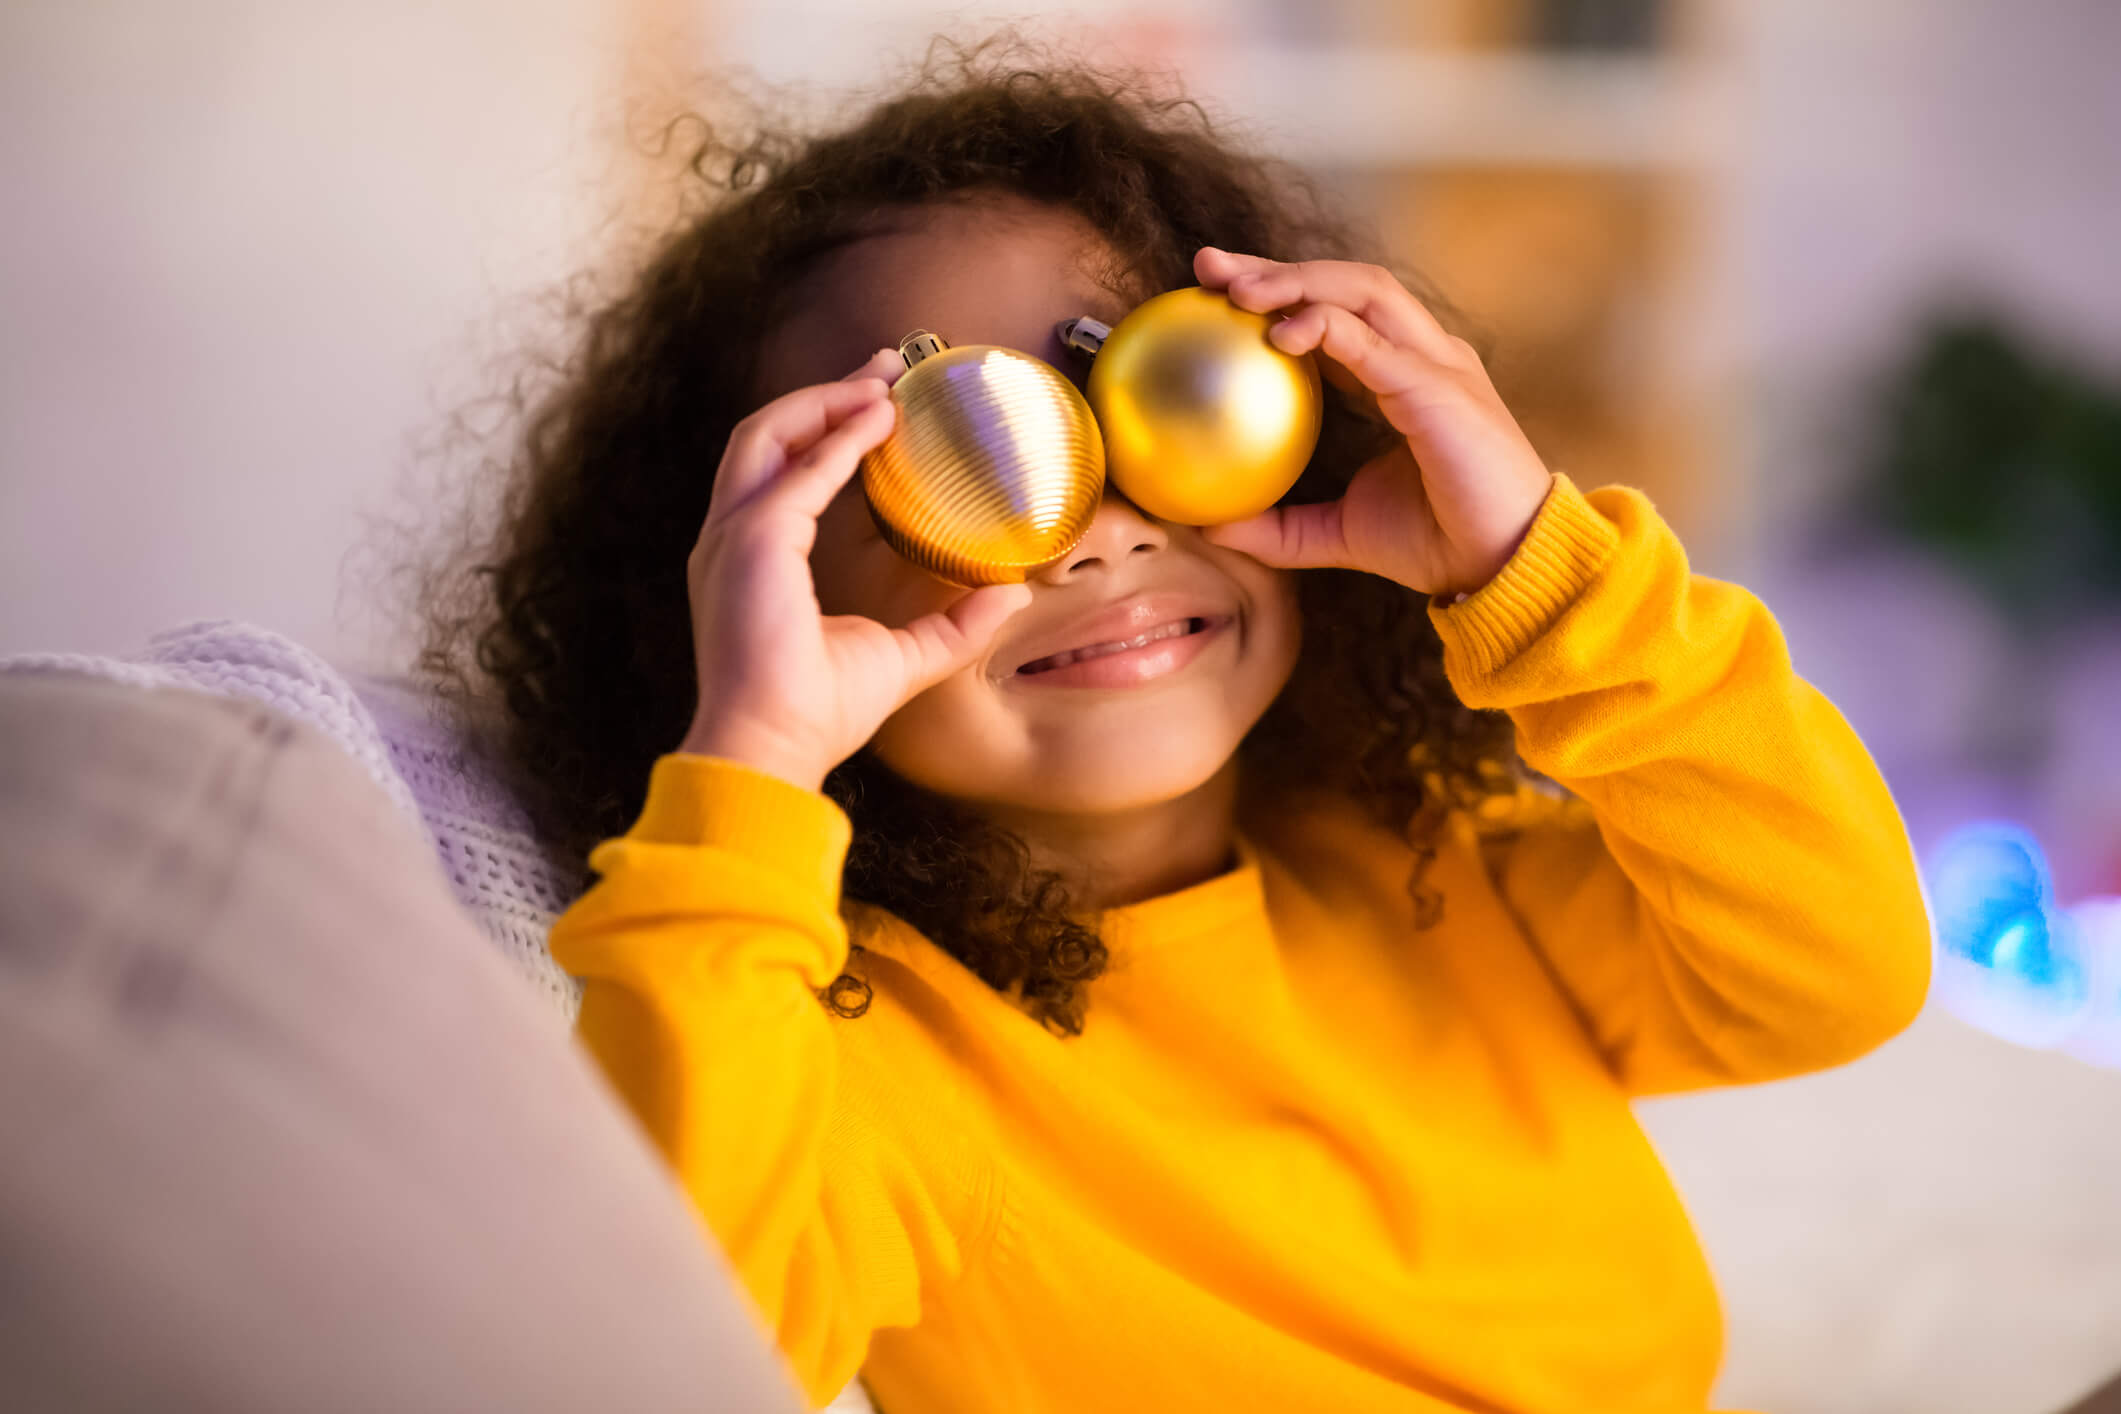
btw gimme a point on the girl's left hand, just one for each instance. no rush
(1444, 509)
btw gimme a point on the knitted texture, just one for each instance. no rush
(512, 888)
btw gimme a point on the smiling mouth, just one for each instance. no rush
(1177, 628)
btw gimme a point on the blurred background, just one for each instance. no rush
(1835, 284)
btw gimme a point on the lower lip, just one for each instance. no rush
(1131, 666)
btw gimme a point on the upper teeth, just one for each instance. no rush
(1099, 650)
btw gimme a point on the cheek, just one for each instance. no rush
(1277, 613)
(855, 572)
(1290, 636)
(840, 558)
(946, 738)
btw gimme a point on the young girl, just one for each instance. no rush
(1234, 1021)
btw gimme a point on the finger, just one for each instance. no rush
(810, 482)
(939, 644)
(886, 364)
(1253, 282)
(823, 467)
(1402, 380)
(1288, 537)
(765, 442)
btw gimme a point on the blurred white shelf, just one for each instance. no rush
(1423, 108)
(1329, 106)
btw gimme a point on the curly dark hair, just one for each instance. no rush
(564, 639)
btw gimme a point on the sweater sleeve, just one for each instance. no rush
(702, 949)
(1730, 896)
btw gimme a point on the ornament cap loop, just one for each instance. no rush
(918, 345)
(1083, 334)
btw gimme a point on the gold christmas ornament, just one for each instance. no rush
(1204, 420)
(994, 468)
(996, 464)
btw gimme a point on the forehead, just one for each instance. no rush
(993, 271)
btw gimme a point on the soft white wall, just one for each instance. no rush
(1892, 152)
(247, 255)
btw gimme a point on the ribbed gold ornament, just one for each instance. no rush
(1204, 420)
(994, 469)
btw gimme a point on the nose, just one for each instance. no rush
(1119, 530)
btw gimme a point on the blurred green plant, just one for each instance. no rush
(2006, 462)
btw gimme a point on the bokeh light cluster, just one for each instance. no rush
(2013, 961)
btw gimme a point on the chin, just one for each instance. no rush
(1109, 793)
(1106, 776)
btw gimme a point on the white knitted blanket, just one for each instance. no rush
(510, 886)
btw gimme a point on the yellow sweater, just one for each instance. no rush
(1302, 1157)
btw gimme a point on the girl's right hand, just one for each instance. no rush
(783, 687)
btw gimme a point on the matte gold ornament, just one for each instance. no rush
(994, 468)
(1204, 420)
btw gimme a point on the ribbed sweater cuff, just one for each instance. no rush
(777, 825)
(1565, 546)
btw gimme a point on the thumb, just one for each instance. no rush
(941, 643)
(1288, 537)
